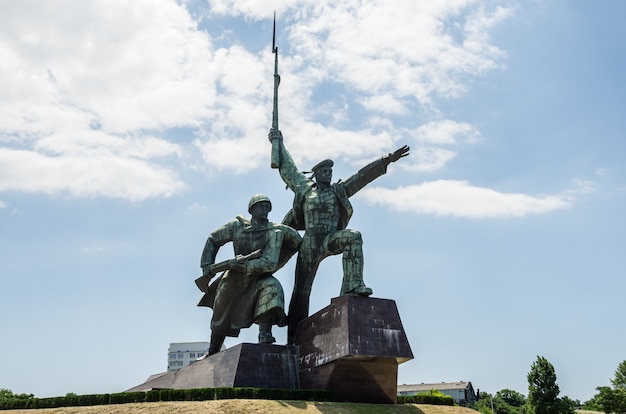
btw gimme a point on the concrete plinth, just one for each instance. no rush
(353, 347)
(243, 365)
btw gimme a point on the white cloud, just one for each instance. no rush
(311, 143)
(135, 67)
(235, 155)
(429, 159)
(2, 204)
(197, 208)
(384, 103)
(459, 198)
(88, 143)
(82, 81)
(446, 132)
(437, 143)
(388, 57)
(97, 175)
(93, 249)
(406, 49)
(96, 83)
(578, 188)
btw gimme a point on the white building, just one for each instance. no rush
(181, 354)
(462, 392)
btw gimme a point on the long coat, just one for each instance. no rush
(238, 299)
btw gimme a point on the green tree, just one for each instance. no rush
(619, 382)
(592, 404)
(608, 400)
(6, 394)
(511, 397)
(505, 401)
(543, 391)
(568, 405)
(611, 400)
(483, 405)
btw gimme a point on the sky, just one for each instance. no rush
(130, 130)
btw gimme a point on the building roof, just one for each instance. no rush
(460, 385)
(188, 346)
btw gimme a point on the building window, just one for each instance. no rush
(192, 355)
(180, 356)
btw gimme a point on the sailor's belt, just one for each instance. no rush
(317, 230)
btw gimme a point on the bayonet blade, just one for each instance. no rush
(274, 35)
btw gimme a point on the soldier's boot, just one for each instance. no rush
(265, 333)
(216, 343)
(353, 268)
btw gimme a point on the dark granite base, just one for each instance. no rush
(353, 347)
(357, 380)
(243, 365)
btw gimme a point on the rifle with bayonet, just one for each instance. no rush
(203, 281)
(275, 144)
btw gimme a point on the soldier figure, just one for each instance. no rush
(323, 210)
(248, 292)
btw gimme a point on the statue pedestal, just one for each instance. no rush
(243, 365)
(353, 347)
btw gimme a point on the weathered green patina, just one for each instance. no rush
(323, 211)
(247, 293)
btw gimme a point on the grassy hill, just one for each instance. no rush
(252, 407)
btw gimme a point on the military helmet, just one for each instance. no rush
(257, 198)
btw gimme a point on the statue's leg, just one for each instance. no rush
(265, 333)
(216, 343)
(269, 307)
(219, 320)
(306, 266)
(221, 325)
(223, 303)
(350, 244)
(299, 304)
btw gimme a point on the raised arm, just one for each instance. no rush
(289, 172)
(372, 171)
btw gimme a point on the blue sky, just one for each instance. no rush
(129, 131)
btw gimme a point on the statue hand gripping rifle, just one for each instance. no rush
(247, 292)
(322, 210)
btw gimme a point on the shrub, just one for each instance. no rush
(196, 394)
(426, 399)
(127, 397)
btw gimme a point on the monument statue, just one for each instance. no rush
(247, 292)
(341, 347)
(323, 210)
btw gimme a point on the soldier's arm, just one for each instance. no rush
(372, 171)
(216, 239)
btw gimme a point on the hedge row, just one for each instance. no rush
(197, 394)
(426, 399)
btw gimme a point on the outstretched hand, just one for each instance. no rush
(274, 134)
(399, 153)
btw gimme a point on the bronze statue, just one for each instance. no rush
(323, 210)
(247, 292)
